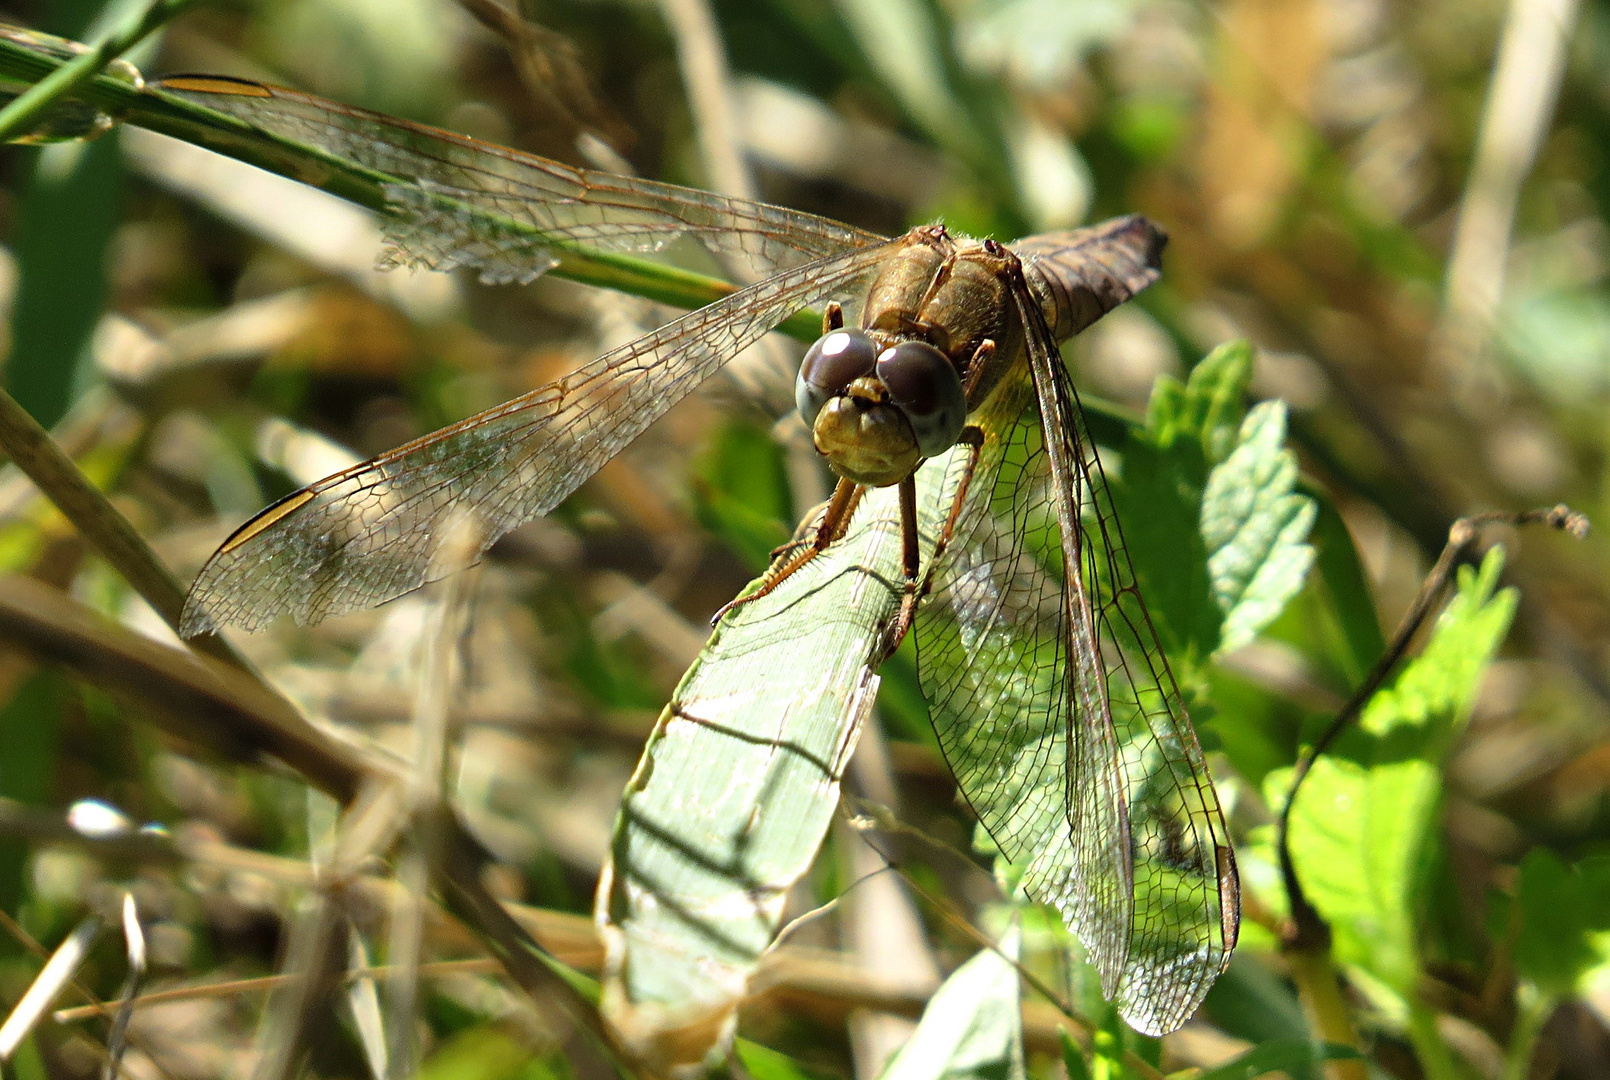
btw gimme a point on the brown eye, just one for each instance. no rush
(923, 382)
(829, 367)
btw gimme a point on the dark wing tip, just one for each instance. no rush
(1080, 275)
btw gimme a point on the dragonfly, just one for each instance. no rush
(1044, 677)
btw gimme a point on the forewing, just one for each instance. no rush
(1044, 678)
(1184, 909)
(374, 532)
(1006, 658)
(468, 203)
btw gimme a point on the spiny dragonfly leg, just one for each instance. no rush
(972, 438)
(829, 530)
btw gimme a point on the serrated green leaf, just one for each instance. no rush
(1367, 814)
(1215, 395)
(1255, 528)
(972, 1028)
(1166, 467)
(1564, 918)
(1214, 527)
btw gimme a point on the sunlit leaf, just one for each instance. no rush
(972, 1027)
(486, 1053)
(1190, 427)
(1255, 528)
(764, 1063)
(1564, 920)
(1365, 821)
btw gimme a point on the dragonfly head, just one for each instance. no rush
(876, 413)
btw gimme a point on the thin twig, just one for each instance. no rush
(57, 973)
(1308, 929)
(1307, 935)
(134, 946)
(428, 780)
(203, 701)
(263, 983)
(226, 710)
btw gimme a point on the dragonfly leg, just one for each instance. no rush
(973, 438)
(829, 530)
(975, 367)
(832, 317)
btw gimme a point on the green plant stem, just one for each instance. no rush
(1533, 1007)
(19, 117)
(170, 115)
(1320, 991)
(1436, 1059)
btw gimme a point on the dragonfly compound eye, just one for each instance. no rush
(924, 384)
(829, 367)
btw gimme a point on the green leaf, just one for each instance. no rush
(738, 783)
(1215, 528)
(291, 152)
(1280, 1055)
(1208, 407)
(1252, 1002)
(1564, 918)
(1107, 1050)
(487, 1053)
(1361, 829)
(1255, 528)
(1345, 591)
(1166, 464)
(972, 1027)
(764, 1063)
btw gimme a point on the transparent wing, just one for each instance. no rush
(374, 532)
(467, 203)
(1185, 907)
(1056, 711)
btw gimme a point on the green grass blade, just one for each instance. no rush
(21, 115)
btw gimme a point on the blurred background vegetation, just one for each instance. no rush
(1401, 203)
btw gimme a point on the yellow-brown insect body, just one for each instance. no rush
(952, 294)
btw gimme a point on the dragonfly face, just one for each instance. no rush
(882, 398)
